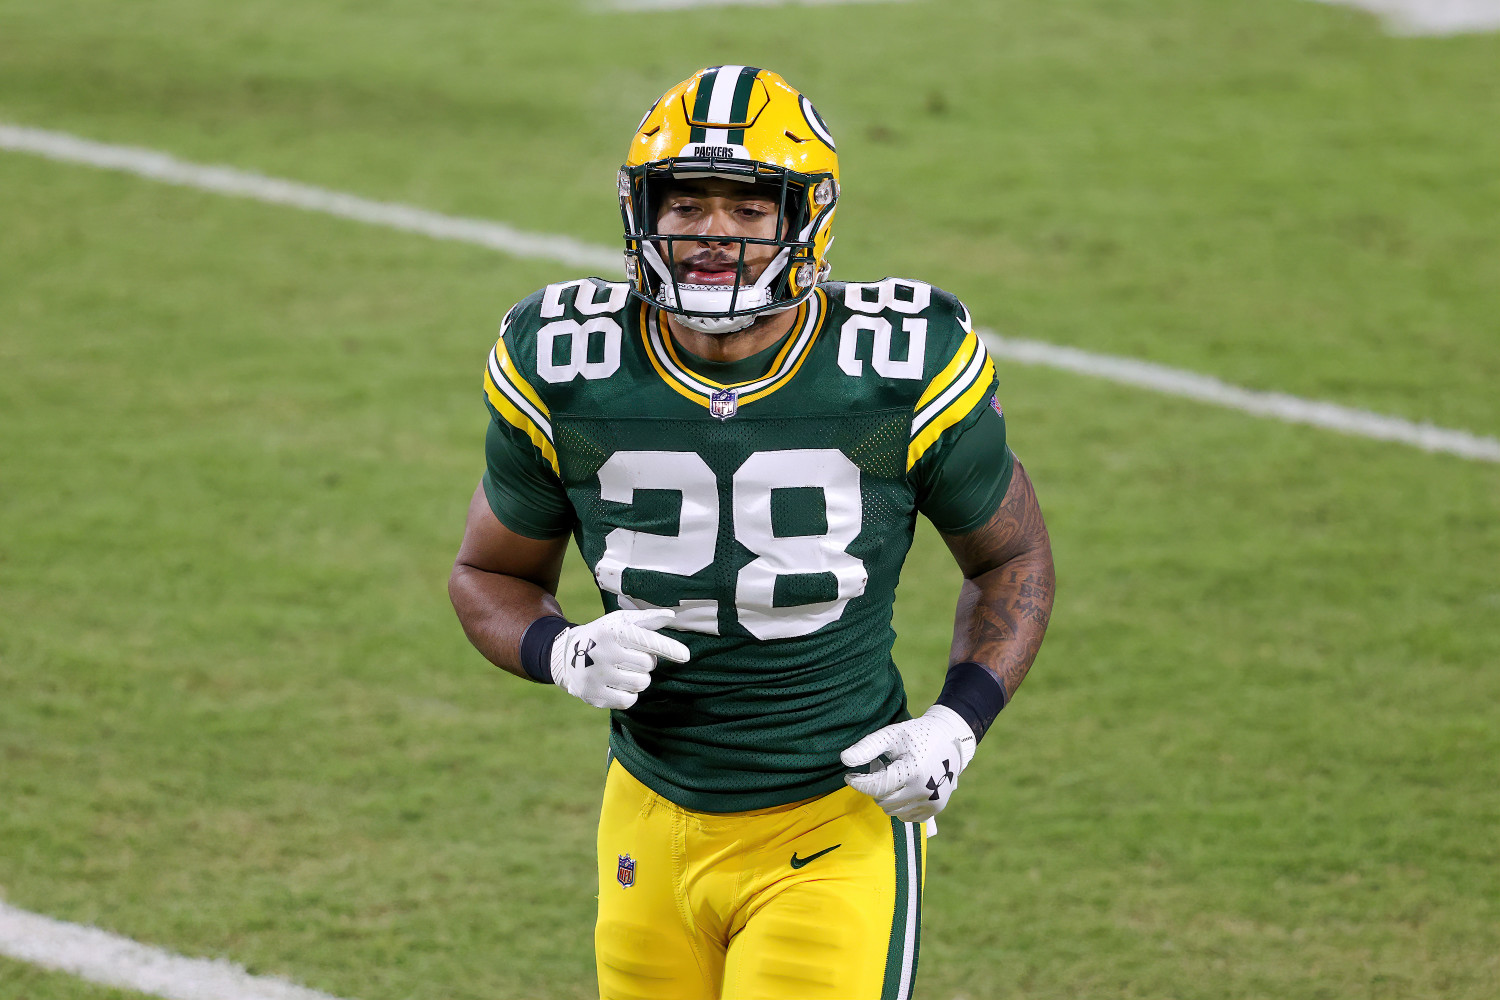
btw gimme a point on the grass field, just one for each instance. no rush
(1258, 756)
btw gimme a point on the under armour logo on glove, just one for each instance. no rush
(621, 648)
(936, 783)
(915, 750)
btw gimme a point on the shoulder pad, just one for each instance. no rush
(547, 334)
(920, 340)
(583, 298)
(579, 300)
(904, 329)
(960, 380)
(523, 364)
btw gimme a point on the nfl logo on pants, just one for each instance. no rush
(626, 871)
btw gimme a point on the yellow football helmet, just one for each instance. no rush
(741, 123)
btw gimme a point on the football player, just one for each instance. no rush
(740, 448)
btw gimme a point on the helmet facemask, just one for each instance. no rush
(787, 279)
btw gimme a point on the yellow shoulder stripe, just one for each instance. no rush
(519, 420)
(943, 379)
(508, 367)
(952, 414)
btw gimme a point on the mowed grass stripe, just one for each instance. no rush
(111, 960)
(506, 239)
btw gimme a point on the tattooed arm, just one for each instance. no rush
(1001, 618)
(1006, 598)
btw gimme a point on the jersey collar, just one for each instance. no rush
(668, 364)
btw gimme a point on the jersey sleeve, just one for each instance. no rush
(958, 459)
(521, 470)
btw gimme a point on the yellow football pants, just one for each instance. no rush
(819, 899)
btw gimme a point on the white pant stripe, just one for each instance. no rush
(913, 891)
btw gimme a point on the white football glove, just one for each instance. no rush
(608, 661)
(923, 759)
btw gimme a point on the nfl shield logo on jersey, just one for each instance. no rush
(724, 403)
(626, 871)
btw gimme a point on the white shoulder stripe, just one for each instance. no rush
(515, 396)
(959, 387)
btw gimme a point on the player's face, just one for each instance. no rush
(717, 208)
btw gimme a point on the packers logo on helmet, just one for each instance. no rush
(738, 123)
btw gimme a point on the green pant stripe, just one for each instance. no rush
(919, 840)
(895, 953)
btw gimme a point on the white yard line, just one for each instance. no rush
(655, 5)
(246, 184)
(540, 246)
(111, 960)
(1277, 405)
(1431, 17)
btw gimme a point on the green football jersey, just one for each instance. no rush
(772, 512)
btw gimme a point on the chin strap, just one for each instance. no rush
(704, 298)
(716, 298)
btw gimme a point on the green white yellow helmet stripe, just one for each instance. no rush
(722, 103)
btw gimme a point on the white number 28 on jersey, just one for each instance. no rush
(692, 549)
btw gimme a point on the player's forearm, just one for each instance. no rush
(495, 610)
(1002, 616)
(1006, 600)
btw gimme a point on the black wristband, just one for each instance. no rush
(536, 647)
(976, 694)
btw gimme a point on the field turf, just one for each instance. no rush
(1258, 755)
